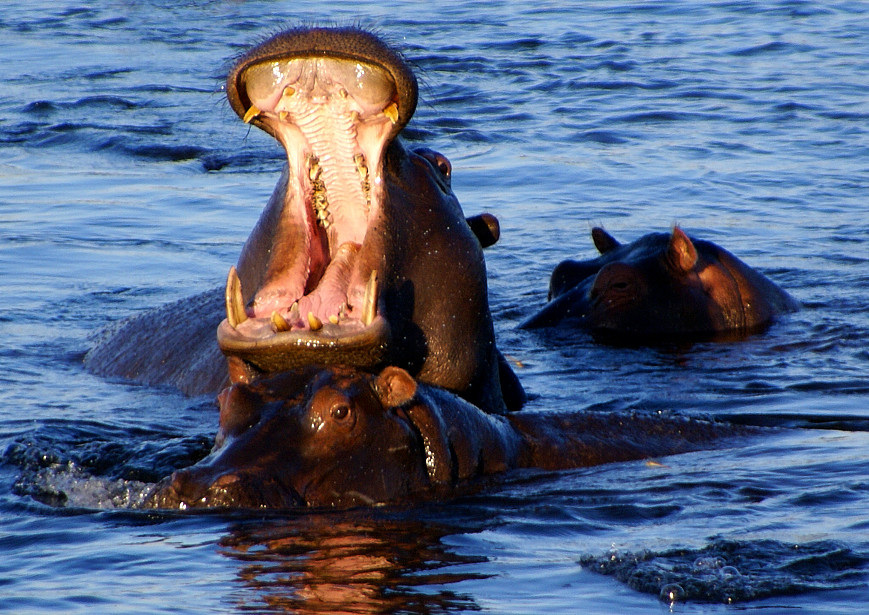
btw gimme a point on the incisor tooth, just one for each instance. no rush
(279, 323)
(235, 313)
(315, 323)
(369, 303)
(251, 113)
(333, 319)
(391, 112)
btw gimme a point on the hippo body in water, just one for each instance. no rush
(339, 437)
(362, 256)
(659, 288)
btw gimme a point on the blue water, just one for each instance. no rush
(126, 181)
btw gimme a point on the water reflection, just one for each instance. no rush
(359, 562)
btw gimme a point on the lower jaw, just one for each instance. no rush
(364, 348)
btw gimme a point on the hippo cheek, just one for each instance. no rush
(373, 481)
(723, 299)
(304, 292)
(383, 463)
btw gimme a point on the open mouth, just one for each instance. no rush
(318, 301)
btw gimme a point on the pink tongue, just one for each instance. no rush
(331, 293)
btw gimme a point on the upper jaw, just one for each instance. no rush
(317, 299)
(351, 45)
(334, 117)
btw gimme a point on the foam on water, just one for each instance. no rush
(69, 486)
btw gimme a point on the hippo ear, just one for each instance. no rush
(603, 241)
(681, 253)
(239, 409)
(486, 228)
(395, 387)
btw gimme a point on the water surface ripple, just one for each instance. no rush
(126, 182)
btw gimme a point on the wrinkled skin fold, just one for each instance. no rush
(339, 437)
(661, 287)
(362, 256)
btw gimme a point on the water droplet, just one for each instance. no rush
(730, 573)
(671, 593)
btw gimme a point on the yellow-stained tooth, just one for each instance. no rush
(251, 113)
(283, 115)
(280, 323)
(289, 91)
(369, 302)
(333, 319)
(315, 323)
(235, 312)
(391, 112)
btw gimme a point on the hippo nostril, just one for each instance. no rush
(226, 480)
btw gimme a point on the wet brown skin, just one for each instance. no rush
(432, 315)
(339, 437)
(661, 287)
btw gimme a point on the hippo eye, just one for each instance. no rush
(444, 165)
(340, 412)
(438, 161)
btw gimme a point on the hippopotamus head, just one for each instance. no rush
(350, 260)
(315, 437)
(661, 286)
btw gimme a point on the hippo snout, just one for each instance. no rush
(192, 488)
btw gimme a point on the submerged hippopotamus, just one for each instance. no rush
(362, 256)
(341, 437)
(660, 287)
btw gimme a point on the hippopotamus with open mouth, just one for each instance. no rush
(661, 287)
(339, 437)
(362, 257)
